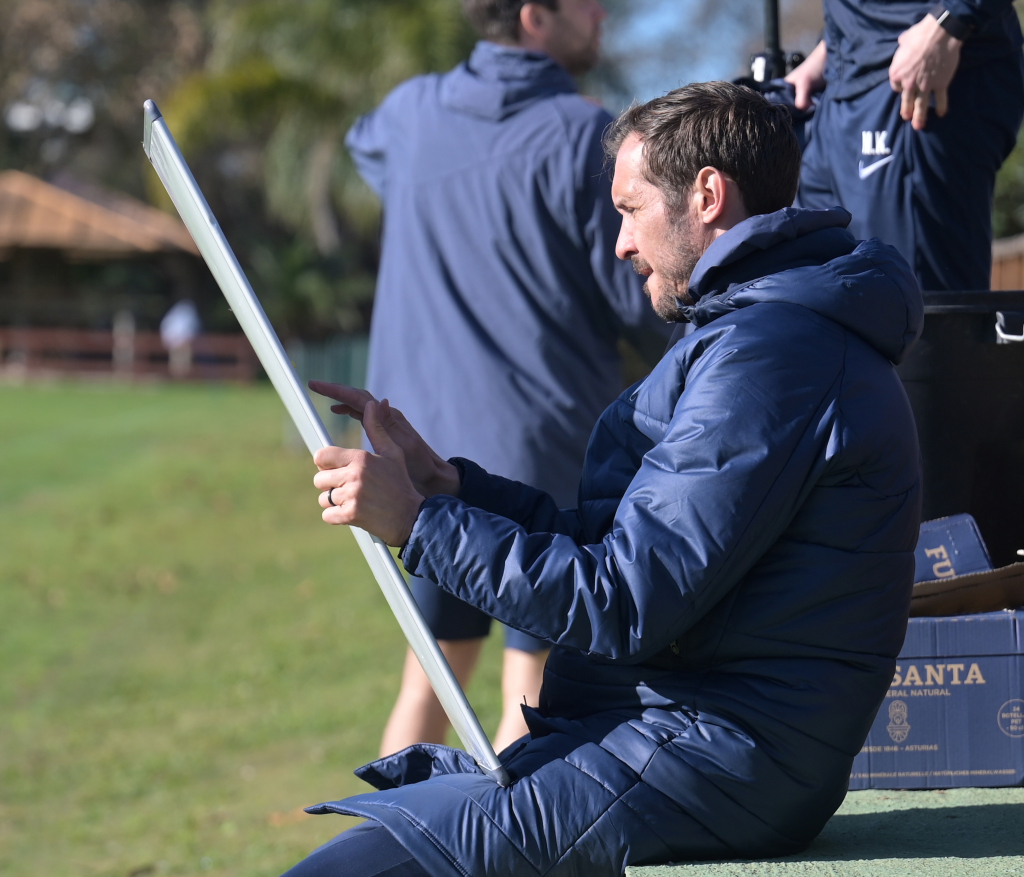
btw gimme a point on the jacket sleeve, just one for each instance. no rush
(977, 13)
(532, 509)
(366, 142)
(709, 500)
(599, 221)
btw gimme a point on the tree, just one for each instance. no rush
(73, 77)
(282, 84)
(295, 75)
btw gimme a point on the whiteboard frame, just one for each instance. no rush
(170, 166)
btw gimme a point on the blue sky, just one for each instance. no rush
(656, 25)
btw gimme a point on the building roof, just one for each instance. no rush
(101, 225)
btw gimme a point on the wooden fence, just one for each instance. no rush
(133, 354)
(1008, 263)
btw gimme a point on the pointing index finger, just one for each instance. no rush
(354, 397)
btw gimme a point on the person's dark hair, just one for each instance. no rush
(714, 124)
(498, 20)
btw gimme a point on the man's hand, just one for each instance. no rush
(809, 78)
(924, 65)
(429, 474)
(372, 491)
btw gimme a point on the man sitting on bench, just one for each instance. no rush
(726, 602)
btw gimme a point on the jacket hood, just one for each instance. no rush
(498, 81)
(808, 258)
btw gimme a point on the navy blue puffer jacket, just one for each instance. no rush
(725, 604)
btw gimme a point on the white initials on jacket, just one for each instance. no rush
(873, 143)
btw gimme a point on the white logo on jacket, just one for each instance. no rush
(873, 143)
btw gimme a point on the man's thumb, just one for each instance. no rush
(381, 442)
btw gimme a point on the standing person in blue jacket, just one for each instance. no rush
(922, 103)
(726, 602)
(499, 301)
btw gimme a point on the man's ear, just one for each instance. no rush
(533, 25)
(717, 199)
(709, 195)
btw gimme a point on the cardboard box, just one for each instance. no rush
(954, 575)
(950, 547)
(954, 715)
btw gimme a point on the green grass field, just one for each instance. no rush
(188, 655)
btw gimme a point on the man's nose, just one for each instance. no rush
(625, 248)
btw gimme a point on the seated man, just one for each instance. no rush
(727, 600)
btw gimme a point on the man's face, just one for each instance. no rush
(663, 246)
(574, 37)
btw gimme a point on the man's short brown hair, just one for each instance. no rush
(714, 124)
(498, 20)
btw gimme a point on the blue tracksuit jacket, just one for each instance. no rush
(726, 603)
(499, 299)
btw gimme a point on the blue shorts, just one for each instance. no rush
(450, 618)
(927, 193)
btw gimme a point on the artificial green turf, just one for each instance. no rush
(888, 833)
(188, 655)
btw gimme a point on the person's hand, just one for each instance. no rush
(429, 474)
(372, 491)
(923, 66)
(809, 78)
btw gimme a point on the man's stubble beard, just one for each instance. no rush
(688, 247)
(588, 58)
(580, 59)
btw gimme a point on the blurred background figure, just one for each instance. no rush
(124, 341)
(922, 104)
(499, 301)
(178, 329)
